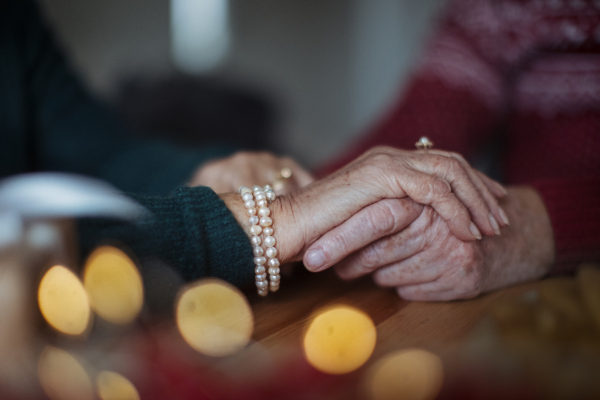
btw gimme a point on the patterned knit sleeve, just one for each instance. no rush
(192, 231)
(574, 209)
(455, 96)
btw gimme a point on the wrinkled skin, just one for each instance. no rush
(426, 261)
(249, 168)
(392, 175)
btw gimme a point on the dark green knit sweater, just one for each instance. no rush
(49, 123)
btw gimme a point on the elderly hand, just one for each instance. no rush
(443, 182)
(426, 261)
(249, 168)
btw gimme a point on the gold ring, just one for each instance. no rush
(424, 143)
(285, 173)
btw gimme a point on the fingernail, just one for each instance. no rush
(503, 216)
(494, 224)
(475, 231)
(314, 259)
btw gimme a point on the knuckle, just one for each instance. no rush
(369, 257)
(381, 218)
(438, 188)
(456, 168)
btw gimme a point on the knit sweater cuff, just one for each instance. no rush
(227, 249)
(573, 207)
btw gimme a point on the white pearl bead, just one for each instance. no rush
(274, 288)
(260, 269)
(260, 196)
(261, 277)
(258, 251)
(262, 284)
(262, 203)
(266, 221)
(268, 231)
(275, 278)
(266, 188)
(259, 260)
(256, 240)
(271, 251)
(274, 271)
(264, 212)
(275, 284)
(244, 189)
(247, 196)
(269, 241)
(273, 262)
(249, 204)
(251, 211)
(253, 220)
(255, 230)
(255, 188)
(263, 293)
(271, 195)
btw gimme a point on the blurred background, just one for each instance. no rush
(299, 77)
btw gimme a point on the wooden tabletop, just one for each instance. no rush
(281, 317)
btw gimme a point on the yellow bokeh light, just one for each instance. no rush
(114, 285)
(407, 374)
(62, 377)
(339, 340)
(63, 301)
(113, 386)
(214, 318)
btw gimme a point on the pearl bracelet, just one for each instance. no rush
(256, 202)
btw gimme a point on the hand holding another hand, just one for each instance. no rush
(384, 179)
(426, 262)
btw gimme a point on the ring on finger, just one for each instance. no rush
(424, 143)
(282, 178)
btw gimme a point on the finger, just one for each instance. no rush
(300, 175)
(413, 270)
(376, 221)
(495, 217)
(493, 186)
(451, 170)
(420, 293)
(429, 189)
(433, 291)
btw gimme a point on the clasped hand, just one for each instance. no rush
(412, 218)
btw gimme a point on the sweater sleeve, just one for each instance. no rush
(455, 98)
(70, 131)
(191, 230)
(573, 207)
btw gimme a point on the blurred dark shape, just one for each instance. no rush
(198, 111)
(162, 284)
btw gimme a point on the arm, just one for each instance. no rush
(202, 234)
(573, 207)
(70, 131)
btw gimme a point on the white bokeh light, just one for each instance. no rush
(199, 34)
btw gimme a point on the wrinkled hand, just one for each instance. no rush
(249, 168)
(426, 261)
(387, 174)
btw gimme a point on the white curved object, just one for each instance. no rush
(60, 195)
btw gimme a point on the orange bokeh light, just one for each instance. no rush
(339, 340)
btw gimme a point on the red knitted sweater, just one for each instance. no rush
(529, 73)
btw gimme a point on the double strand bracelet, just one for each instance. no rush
(256, 201)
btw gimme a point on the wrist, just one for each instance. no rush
(525, 250)
(285, 229)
